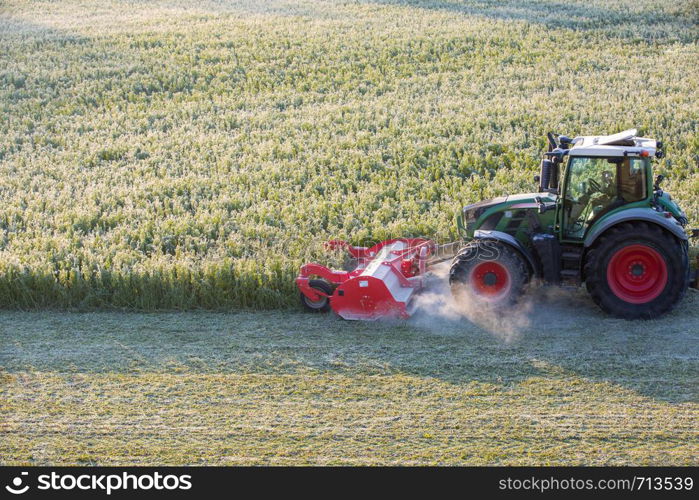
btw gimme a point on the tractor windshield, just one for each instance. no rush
(597, 185)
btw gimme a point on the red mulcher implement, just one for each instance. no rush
(597, 218)
(386, 279)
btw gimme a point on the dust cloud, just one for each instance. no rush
(437, 309)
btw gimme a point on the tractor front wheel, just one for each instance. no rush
(489, 273)
(637, 271)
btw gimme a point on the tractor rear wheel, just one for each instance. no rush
(321, 305)
(637, 270)
(488, 272)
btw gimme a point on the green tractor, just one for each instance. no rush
(599, 218)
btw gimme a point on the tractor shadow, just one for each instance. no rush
(561, 332)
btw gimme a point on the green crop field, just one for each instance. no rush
(167, 166)
(184, 154)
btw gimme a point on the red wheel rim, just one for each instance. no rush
(637, 274)
(490, 280)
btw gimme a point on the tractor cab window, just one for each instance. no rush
(597, 185)
(632, 179)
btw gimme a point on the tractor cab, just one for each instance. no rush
(602, 174)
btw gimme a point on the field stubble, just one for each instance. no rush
(567, 387)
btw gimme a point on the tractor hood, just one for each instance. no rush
(473, 212)
(507, 214)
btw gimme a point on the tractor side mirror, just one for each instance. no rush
(545, 175)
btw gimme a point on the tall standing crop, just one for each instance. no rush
(170, 155)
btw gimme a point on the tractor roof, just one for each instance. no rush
(613, 145)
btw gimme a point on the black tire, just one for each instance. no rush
(478, 270)
(637, 270)
(322, 305)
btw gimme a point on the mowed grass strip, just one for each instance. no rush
(324, 418)
(567, 385)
